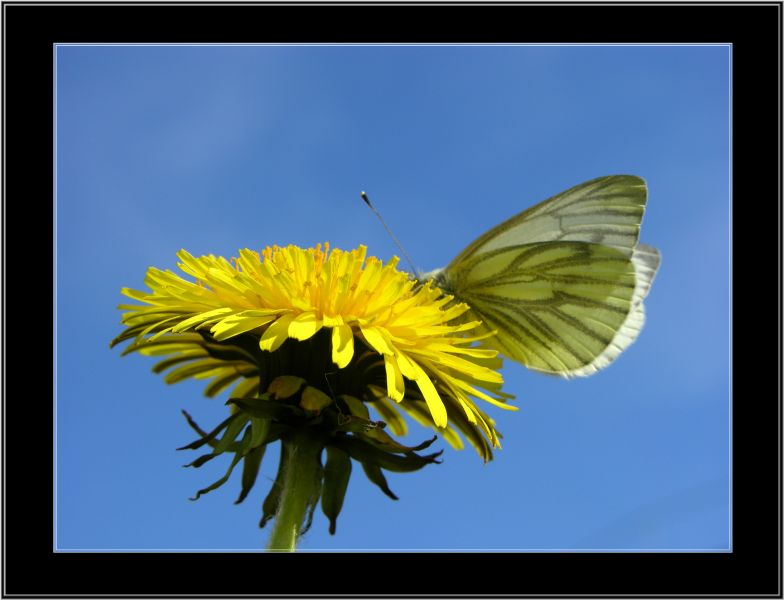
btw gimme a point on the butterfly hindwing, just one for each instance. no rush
(555, 306)
(646, 262)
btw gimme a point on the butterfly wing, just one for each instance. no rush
(646, 261)
(562, 283)
(607, 210)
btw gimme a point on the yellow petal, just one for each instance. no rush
(407, 366)
(201, 317)
(301, 304)
(463, 366)
(332, 321)
(479, 393)
(276, 334)
(228, 328)
(342, 345)
(304, 326)
(395, 386)
(377, 340)
(471, 351)
(429, 392)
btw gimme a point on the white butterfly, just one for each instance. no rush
(562, 283)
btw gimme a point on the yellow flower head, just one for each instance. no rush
(408, 337)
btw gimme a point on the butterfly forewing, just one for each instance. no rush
(607, 210)
(646, 261)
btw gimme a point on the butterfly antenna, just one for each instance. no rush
(389, 231)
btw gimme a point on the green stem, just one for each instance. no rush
(301, 487)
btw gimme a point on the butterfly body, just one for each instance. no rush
(561, 284)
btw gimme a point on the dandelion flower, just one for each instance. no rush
(309, 339)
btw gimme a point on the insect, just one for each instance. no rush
(562, 283)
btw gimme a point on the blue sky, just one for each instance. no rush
(213, 149)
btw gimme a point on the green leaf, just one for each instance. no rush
(375, 475)
(337, 473)
(250, 470)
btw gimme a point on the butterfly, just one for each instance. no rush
(562, 283)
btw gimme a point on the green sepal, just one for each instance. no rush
(232, 431)
(250, 470)
(227, 443)
(313, 400)
(357, 424)
(315, 496)
(384, 441)
(389, 414)
(356, 406)
(201, 460)
(337, 473)
(244, 446)
(276, 431)
(206, 438)
(266, 409)
(366, 452)
(261, 430)
(270, 506)
(285, 386)
(375, 475)
(309, 517)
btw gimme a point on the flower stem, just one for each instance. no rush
(301, 488)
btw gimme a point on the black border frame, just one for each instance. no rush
(753, 569)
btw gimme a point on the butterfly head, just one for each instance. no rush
(438, 277)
